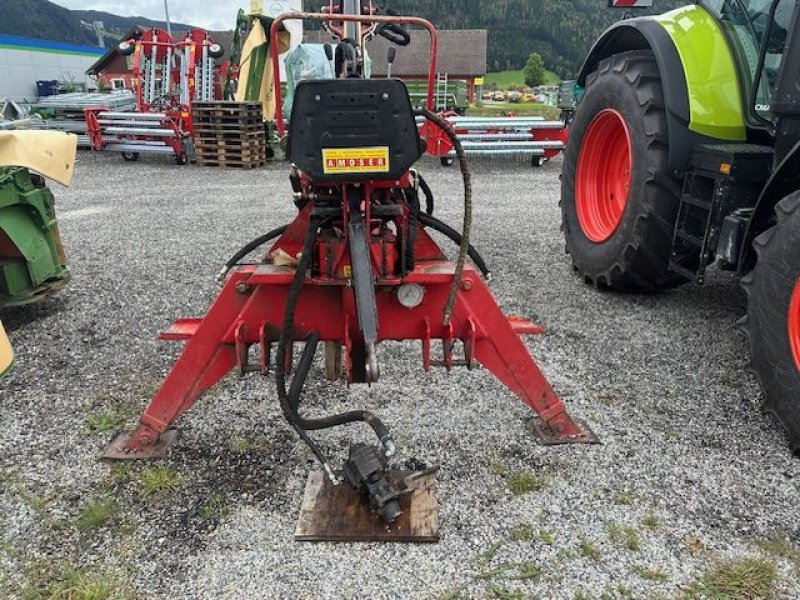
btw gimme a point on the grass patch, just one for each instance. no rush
(525, 483)
(626, 536)
(523, 533)
(546, 537)
(651, 522)
(96, 514)
(106, 420)
(650, 573)
(632, 540)
(214, 508)
(243, 445)
(527, 571)
(66, 582)
(743, 579)
(158, 481)
(624, 499)
(588, 549)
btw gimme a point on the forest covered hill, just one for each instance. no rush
(562, 31)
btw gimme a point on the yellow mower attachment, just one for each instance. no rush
(6, 353)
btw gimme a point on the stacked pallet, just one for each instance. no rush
(229, 134)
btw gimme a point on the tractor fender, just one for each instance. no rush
(647, 34)
(784, 181)
(678, 41)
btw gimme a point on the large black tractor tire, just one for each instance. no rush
(619, 202)
(773, 317)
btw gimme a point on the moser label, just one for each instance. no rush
(355, 160)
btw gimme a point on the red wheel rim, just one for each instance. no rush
(603, 177)
(794, 324)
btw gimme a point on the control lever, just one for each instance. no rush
(329, 55)
(390, 60)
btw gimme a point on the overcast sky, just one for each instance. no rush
(216, 15)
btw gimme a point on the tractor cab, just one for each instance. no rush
(758, 32)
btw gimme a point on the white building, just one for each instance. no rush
(24, 61)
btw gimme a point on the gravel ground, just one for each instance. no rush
(689, 474)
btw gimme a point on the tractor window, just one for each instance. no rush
(746, 23)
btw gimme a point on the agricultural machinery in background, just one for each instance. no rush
(356, 267)
(169, 77)
(677, 161)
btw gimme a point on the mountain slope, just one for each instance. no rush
(44, 20)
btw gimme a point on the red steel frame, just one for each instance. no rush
(249, 311)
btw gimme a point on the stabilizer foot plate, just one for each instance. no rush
(341, 514)
(117, 450)
(547, 437)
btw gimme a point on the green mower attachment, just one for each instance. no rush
(33, 264)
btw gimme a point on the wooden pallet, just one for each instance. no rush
(341, 514)
(229, 134)
(231, 163)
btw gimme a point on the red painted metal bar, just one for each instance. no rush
(276, 64)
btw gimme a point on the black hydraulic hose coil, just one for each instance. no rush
(245, 250)
(467, 227)
(290, 401)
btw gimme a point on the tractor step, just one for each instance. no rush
(723, 179)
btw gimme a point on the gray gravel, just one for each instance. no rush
(662, 381)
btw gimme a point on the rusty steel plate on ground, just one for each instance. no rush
(117, 451)
(339, 513)
(547, 437)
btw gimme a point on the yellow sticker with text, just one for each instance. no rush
(338, 161)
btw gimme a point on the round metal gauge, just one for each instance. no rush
(410, 295)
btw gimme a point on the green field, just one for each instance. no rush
(522, 109)
(506, 79)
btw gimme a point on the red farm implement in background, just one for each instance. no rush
(169, 77)
(355, 268)
(500, 137)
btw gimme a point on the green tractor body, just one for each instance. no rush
(32, 260)
(684, 152)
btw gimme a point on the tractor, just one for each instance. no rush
(685, 151)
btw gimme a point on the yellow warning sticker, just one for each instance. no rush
(338, 161)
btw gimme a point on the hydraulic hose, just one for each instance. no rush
(463, 250)
(290, 401)
(245, 250)
(447, 231)
(426, 189)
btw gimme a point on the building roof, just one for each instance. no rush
(462, 52)
(102, 63)
(15, 42)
